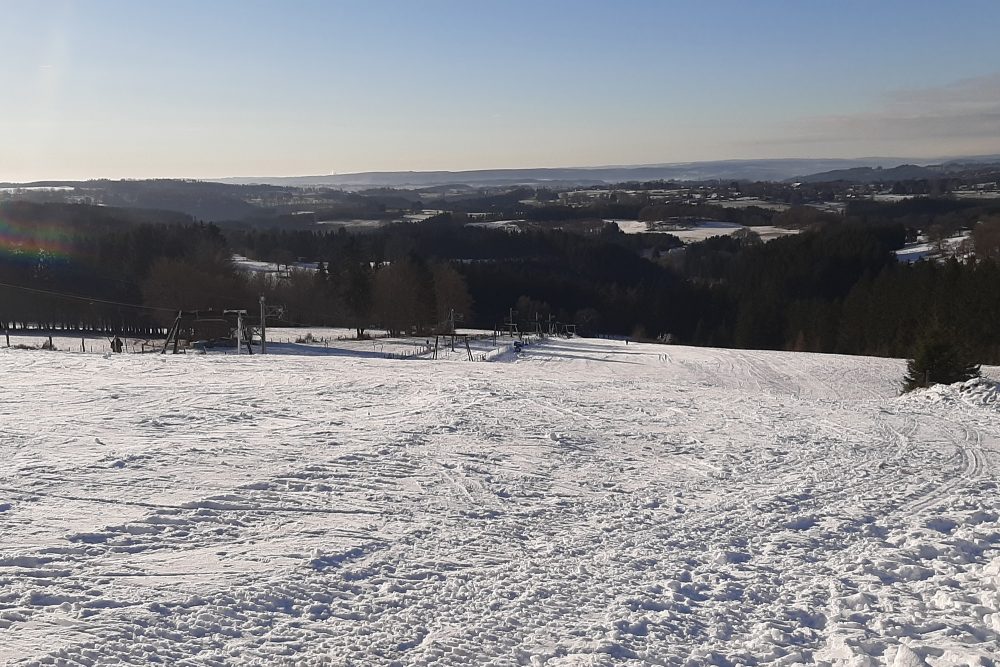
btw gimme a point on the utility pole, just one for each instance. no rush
(451, 327)
(239, 331)
(263, 326)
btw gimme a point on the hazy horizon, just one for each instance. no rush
(113, 89)
(225, 177)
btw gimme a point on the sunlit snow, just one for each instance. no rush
(590, 503)
(701, 230)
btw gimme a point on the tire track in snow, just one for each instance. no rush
(971, 468)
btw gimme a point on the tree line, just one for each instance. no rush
(834, 287)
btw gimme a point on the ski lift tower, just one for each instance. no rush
(453, 319)
(260, 330)
(538, 326)
(243, 335)
(511, 324)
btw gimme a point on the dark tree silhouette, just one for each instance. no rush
(938, 360)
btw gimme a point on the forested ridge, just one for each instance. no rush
(834, 287)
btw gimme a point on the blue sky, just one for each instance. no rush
(119, 88)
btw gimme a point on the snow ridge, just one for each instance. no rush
(977, 391)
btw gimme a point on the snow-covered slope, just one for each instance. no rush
(592, 503)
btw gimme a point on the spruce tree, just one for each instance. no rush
(938, 360)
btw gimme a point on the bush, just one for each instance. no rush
(938, 360)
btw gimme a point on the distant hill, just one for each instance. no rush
(903, 172)
(971, 162)
(202, 200)
(210, 201)
(951, 167)
(755, 170)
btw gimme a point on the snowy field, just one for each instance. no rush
(367, 224)
(924, 249)
(253, 266)
(977, 194)
(702, 230)
(747, 202)
(591, 503)
(482, 344)
(508, 225)
(309, 341)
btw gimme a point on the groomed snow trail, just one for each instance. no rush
(592, 503)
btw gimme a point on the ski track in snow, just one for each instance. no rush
(592, 503)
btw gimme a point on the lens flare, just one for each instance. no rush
(33, 242)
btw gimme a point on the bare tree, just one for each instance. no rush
(986, 238)
(450, 293)
(403, 296)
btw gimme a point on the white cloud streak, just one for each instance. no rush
(953, 118)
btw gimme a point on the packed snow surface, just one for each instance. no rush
(589, 503)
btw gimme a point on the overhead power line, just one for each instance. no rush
(88, 299)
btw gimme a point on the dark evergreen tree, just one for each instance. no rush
(938, 360)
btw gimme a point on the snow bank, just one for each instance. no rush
(977, 391)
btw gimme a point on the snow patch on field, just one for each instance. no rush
(254, 266)
(304, 341)
(700, 231)
(924, 249)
